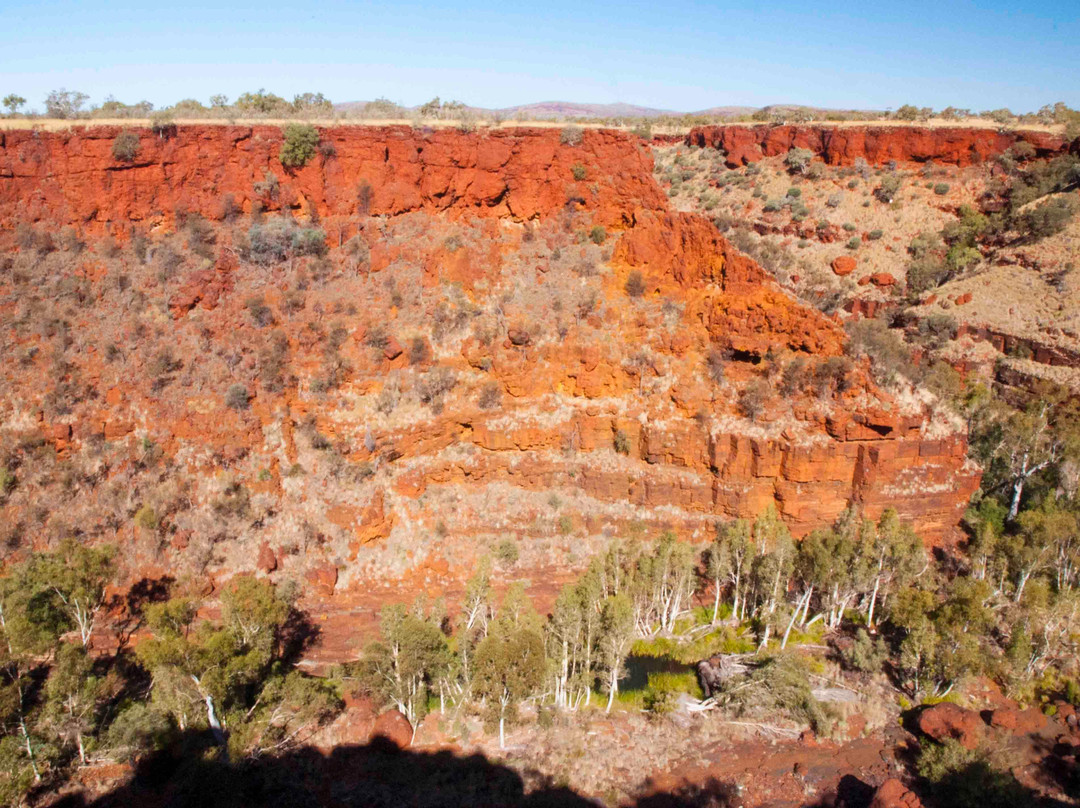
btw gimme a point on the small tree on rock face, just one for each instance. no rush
(301, 141)
(798, 160)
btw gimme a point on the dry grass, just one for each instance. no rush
(55, 124)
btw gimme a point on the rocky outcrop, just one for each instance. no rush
(843, 145)
(894, 794)
(72, 178)
(949, 722)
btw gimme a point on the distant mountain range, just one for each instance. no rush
(570, 110)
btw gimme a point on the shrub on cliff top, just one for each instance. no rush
(301, 140)
(571, 135)
(126, 146)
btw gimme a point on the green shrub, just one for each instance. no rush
(309, 241)
(968, 778)
(798, 160)
(7, 481)
(941, 188)
(507, 551)
(849, 227)
(853, 243)
(888, 188)
(126, 146)
(772, 206)
(1048, 218)
(866, 654)
(598, 235)
(146, 518)
(301, 141)
(622, 442)
(794, 193)
(874, 235)
(578, 171)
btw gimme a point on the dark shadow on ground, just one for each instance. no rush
(377, 774)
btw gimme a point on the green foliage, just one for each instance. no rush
(578, 171)
(968, 778)
(597, 235)
(139, 729)
(309, 241)
(411, 659)
(299, 146)
(798, 160)
(888, 188)
(866, 654)
(1048, 218)
(907, 112)
(125, 147)
(941, 188)
(507, 551)
(13, 102)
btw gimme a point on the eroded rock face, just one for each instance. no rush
(843, 145)
(491, 376)
(72, 178)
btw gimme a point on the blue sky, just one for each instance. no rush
(674, 55)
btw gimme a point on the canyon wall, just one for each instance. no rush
(482, 373)
(71, 177)
(843, 145)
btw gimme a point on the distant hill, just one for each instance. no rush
(568, 110)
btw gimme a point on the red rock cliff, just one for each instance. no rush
(843, 145)
(490, 377)
(72, 177)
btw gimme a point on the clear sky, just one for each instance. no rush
(675, 55)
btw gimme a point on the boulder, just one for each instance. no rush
(267, 561)
(882, 279)
(843, 265)
(894, 794)
(393, 349)
(946, 721)
(394, 727)
(1018, 722)
(518, 336)
(323, 579)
